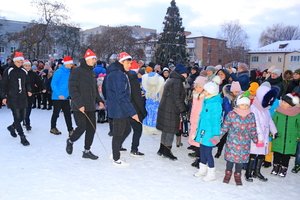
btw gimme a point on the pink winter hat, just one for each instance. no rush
(235, 86)
(200, 80)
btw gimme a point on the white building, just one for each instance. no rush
(283, 54)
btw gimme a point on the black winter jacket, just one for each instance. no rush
(83, 88)
(171, 104)
(136, 95)
(15, 84)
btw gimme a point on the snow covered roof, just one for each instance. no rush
(279, 47)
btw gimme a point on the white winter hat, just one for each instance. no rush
(242, 100)
(212, 88)
(276, 71)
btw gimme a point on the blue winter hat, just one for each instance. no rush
(99, 69)
(181, 69)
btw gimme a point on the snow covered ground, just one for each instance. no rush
(45, 171)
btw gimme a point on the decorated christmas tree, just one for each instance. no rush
(171, 43)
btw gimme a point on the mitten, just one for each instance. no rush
(260, 144)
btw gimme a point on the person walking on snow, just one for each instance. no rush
(60, 95)
(84, 95)
(16, 88)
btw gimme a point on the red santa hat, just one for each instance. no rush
(124, 56)
(134, 66)
(89, 54)
(18, 56)
(68, 60)
(26, 62)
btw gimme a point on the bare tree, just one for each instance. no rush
(67, 36)
(38, 38)
(236, 40)
(113, 40)
(279, 32)
(234, 34)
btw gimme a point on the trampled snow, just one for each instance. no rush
(45, 171)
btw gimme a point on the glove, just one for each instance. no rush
(215, 140)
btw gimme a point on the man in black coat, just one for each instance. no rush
(84, 96)
(16, 88)
(139, 105)
(118, 101)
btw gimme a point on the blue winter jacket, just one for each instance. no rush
(210, 120)
(60, 83)
(117, 89)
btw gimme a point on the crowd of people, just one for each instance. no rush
(254, 116)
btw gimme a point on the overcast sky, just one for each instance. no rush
(201, 17)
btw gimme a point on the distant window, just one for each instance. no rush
(279, 59)
(12, 49)
(295, 58)
(282, 46)
(269, 58)
(254, 59)
(2, 50)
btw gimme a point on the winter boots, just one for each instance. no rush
(275, 170)
(211, 174)
(296, 169)
(237, 178)
(257, 173)
(168, 153)
(248, 174)
(283, 171)
(227, 176)
(24, 141)
(202, 170)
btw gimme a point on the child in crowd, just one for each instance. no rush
(287, 121)
(265, 97)
(101, 113)
(241, 128)
(230, 93)
(198, 98)
(209, 126)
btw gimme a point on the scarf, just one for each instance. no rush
(242, 113)
(292, 111)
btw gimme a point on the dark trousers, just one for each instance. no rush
(206, 156)
(37, 100)
(281, 159)
(238, 166)
(18, 115)
(63, 105)
(119, 129)
(297, 156)
(137, 133)
(28, 111)
(85, 123)
(47, 100)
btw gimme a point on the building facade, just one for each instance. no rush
(282, 54)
